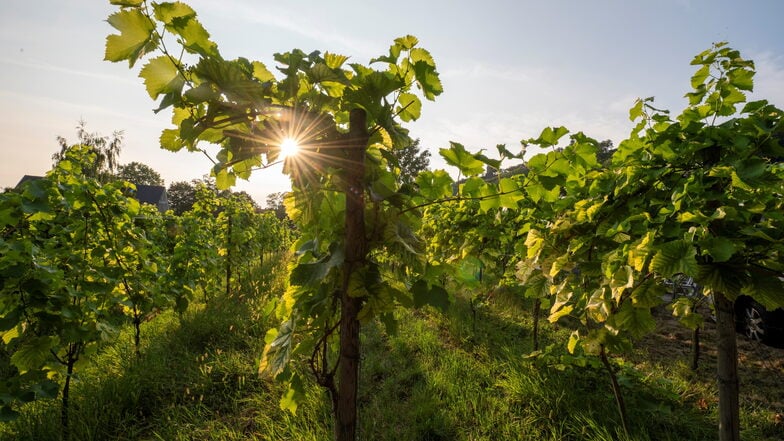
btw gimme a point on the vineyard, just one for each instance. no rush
(523, 294)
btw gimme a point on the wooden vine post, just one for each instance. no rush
(727, 366)
(355, 253)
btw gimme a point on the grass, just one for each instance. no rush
(446, 376)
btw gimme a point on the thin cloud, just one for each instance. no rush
(54, 106)
(282, 19)
(42, 66)
(477, 70)
(769, 80)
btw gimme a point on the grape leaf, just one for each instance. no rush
(136, 36)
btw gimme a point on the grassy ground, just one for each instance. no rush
(454, 376)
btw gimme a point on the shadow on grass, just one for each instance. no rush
(450, 377)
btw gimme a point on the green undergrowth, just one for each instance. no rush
(463, 375)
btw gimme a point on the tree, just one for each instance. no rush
(182, 196)
(411, 161)
(139, 174)
(605, 152)
(244, 197)
(275, 203)
(105, 149)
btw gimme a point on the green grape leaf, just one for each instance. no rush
(180, 19)
(512, 193)
(434, 185)
(559, 311)
(648, 294)
(407, 42)
(161, 76)
(586, 155)
(225, 179)
(136, 36)
(170, 140)
(637, 110)
(722, 277)
(169, 12)
(312, 273)
(422, 55)
(261, 73)
(490, 198)
(279, 344)
(294, 394)
(550, 136)
(334, 61)
(428, 79)
(33, 352)
(473, 187)
(409, 108)
(765, 288)
(720, 249)
(750, 170)
(197, 39)
(683, 309)
(434, 295)
(699, 77)
(677, 257)
(743, 79)
(636, 321)
(505, 153)
(457, 156)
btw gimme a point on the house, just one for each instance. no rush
(25, 179)
(146, 194)
(153, 195)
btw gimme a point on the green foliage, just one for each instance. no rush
(71, 252)
(80, 259)
(698, 195)
(242, 107)
(139, 174)
(411, 160)
(106, 150)
(457, 156)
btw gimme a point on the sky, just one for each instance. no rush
(509, 68)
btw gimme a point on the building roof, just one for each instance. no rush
(27, 178)
(150, 194)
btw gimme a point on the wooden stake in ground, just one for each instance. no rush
(355, 254)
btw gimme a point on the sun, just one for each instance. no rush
(288, 148)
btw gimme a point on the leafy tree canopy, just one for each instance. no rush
(139, 174)
(275, 203)
(106, 150)
(412, 160)
(182, 195)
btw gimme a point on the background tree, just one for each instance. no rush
(182, 195)
(106, 150)
(605, 152)
(412, 160)
(244, 197)
(139, 174)
(275, 204)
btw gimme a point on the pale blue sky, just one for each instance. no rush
(509, 68)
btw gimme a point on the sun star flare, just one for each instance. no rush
(288, 148)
